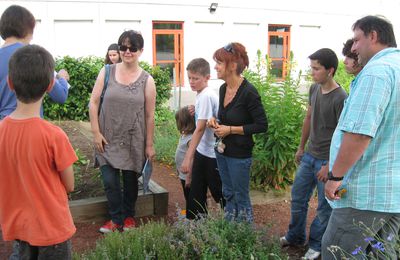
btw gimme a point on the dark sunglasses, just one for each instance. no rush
(125, 48)
(229, 48)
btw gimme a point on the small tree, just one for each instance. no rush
(273, 154)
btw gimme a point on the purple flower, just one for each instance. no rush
(379, 246)
(356, 251)
(369, 239)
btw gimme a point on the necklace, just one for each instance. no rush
(230, 92)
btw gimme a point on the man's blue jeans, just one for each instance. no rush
(302, 190)
(235, 177)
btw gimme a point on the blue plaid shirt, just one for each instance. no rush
(373, 109)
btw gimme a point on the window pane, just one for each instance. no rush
(276, 46)
(167, 26)
(277, 68)
(278, 28)
(165, 47)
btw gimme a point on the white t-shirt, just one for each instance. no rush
(205, 108)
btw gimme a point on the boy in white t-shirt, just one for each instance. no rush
(200, 164)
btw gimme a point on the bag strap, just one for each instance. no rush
(103, 92)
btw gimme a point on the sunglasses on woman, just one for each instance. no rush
(229, 48)
(125, 48)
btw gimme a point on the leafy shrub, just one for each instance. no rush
(342, 77)
(83, 73)
(162, 81)
(209, 238)
(166, 136)
(273, 154)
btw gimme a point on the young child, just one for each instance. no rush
(186, 126)
(199, 163)
(36, 161)
(112, 55)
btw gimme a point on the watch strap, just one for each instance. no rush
(333, 178)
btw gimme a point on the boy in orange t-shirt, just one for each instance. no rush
(36, 160)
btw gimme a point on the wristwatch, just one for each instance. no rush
(333, 178)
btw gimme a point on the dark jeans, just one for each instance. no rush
(186, 190)
(121, 203)
(204, 175)
(24, 251)
(302, 190)
(352, 231)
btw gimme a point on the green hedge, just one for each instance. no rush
(83, 73)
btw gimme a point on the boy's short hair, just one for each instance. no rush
(199, 65)
(327, 58)
(16, 21)
(31, 71)
(346, 51)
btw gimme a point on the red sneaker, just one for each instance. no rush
(109, 226)
(129, 224)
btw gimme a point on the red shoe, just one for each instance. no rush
(129, 224)
(109, 226)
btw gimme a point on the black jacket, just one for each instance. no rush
(244, 110)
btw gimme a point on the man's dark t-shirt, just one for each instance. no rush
(326, 109)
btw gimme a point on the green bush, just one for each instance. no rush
(209, 238)
(83, 73)
(166, 136)
(162, 81)
(342, 77)
(273, 154)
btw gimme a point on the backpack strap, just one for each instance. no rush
(103, 92)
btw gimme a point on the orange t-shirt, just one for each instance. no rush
(33, 200)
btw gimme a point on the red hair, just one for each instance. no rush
(234, 52)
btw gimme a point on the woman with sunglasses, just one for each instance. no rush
(241, 114)
(123, 129)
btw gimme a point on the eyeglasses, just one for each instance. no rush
(125, 48)
(229, 48)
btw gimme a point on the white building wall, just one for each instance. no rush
(87, 27)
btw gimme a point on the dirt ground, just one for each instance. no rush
(275, 215)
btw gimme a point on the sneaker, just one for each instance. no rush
(311, 254)
(283, 242)
(129, 224)
(109, 226)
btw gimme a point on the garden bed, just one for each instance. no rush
(87, 202)
(275, 215)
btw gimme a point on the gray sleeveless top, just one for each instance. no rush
(122, 123)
